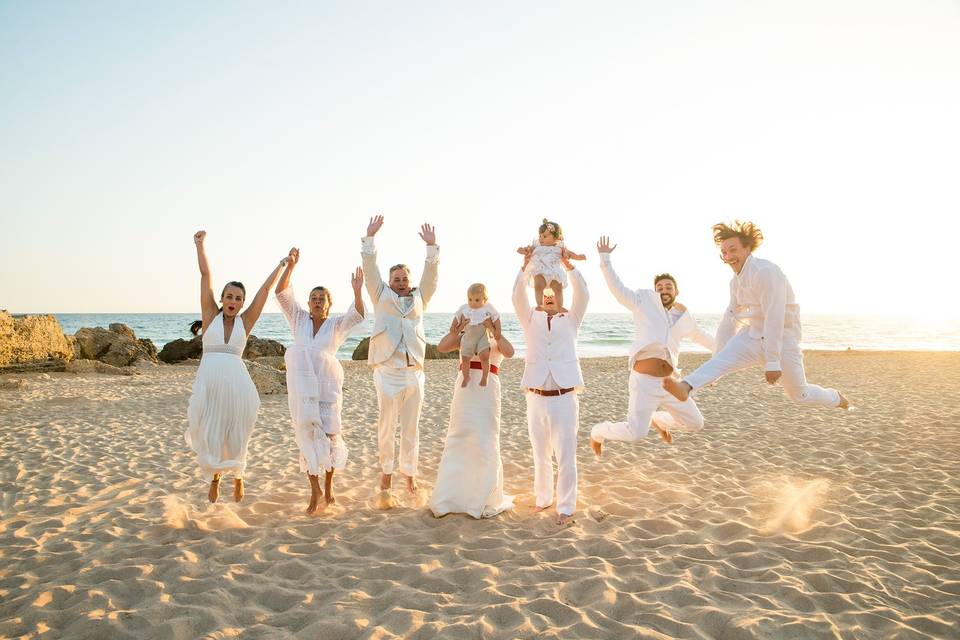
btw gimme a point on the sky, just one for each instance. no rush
(127, 126)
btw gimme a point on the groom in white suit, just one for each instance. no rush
(397, 349)
(552, 379)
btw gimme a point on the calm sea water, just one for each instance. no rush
(602, 334)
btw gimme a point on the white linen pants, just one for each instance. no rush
(743, 352)
(399, 397)
(553, 422)
(647, 396)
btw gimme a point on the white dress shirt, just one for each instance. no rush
(761, 302)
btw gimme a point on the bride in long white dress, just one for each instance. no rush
(470, 476)
(315, 377)
(223, 406)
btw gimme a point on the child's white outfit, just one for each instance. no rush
(474, 339)
(546, 262)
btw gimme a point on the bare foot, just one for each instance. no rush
(483, 381)
(412, 484)
(385, 500)
(597, 448)
(386, 481)
(538, 509)
(844, 403)
(315, 494)
(677, 388)
(466, 379)
(214, 492)
(237, 489)
(564, 518)
(664, 434)
(328, 488)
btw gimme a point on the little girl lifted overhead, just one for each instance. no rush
(545, 268)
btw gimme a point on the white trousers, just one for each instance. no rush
(650, 402)
(553, 422)
(399, 397)
(743, 352)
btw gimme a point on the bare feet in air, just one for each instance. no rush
(564, 518)
(214, 492)
(386, 481)
(597, 448)
(677, 388)
(844, 403)
(315, 494)
(466, 378)
(237, 489)
(483, 380)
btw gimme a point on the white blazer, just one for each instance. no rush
(393, 321)
(551, 350)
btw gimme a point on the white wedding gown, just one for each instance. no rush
(470, 477)
(224, 404)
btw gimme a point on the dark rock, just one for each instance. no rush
(363, 349)
(181, 349)
(118, 346)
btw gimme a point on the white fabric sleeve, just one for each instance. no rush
(578, 309)
(371, 272)
(773, 299)
(521, 303)
(626, 297)
(291, 309)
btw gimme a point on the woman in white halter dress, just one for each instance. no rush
(224, 402)
(470, 476)
(315, 377)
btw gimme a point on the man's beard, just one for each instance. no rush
(666, 299)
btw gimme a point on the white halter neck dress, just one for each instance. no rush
(224, 404)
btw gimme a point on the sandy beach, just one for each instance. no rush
(775, 521)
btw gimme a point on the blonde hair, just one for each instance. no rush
(749, 233)
(477, 288)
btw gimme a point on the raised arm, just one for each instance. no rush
(773, 299)
(624, 296)
(521, 302)
(578, 308)
(369, 254)
(208, 303)
(292, 259)
(428, 281)
(252, 314)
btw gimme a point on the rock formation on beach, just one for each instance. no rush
(117, 346)
(32, 339)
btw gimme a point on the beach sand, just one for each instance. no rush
(775, 521)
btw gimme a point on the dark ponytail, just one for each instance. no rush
(196, 325)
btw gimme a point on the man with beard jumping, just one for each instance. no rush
(660, 323)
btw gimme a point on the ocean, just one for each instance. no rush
(602, 334)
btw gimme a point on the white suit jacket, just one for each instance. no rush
(551, 350)
(394, 322)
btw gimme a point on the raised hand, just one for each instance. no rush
(199, 237)
(525, 250)
(428, 235)
(356, 280)
(570, 255)
(294, 255)
(603, 246)
(375, 223)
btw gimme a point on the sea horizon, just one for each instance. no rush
(602, 334)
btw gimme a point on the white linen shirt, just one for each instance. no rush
(657, 331)
(761, 302)
(477, 316)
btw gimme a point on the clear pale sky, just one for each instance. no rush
(125, 127)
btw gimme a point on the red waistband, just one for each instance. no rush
(476, 365)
